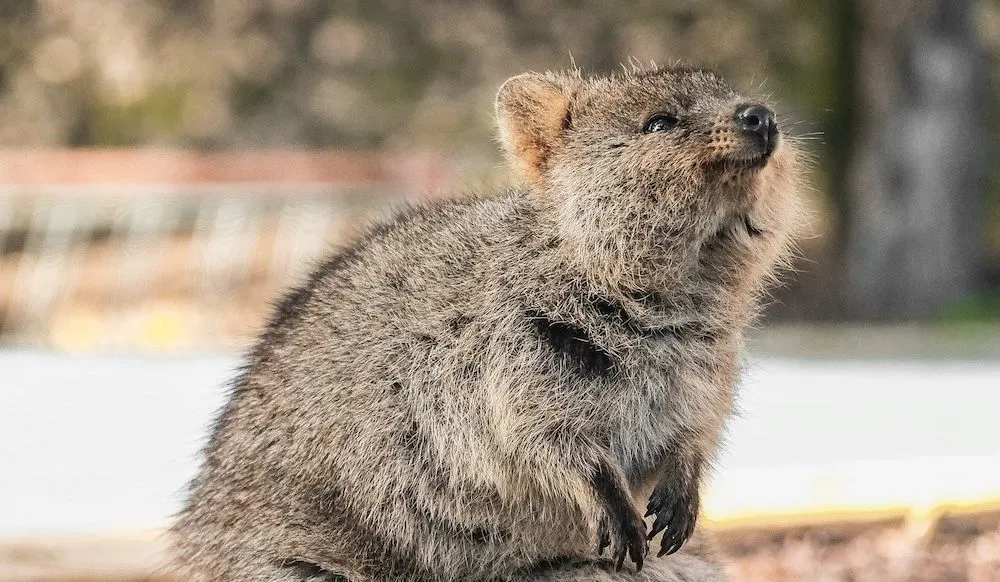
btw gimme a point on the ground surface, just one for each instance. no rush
(963, 547)
(104, 445)
(107, 444)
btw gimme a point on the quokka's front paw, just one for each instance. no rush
(676, 511)
(626, 534)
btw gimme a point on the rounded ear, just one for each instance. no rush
(533, 113)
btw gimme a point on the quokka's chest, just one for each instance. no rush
(675, 390)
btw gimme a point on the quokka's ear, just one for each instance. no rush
(533, 113)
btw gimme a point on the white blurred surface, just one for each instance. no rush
(107, 444)
(98, 444)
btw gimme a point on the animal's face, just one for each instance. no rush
(668, 164)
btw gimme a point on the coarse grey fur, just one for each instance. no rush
(491, 388)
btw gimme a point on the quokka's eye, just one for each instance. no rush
(660, 122)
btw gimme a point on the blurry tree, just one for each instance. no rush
(915, 230)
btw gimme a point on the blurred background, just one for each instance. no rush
(167, 167)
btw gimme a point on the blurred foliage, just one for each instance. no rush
(389, 73)
(385, 73)
(366, 74)
(976, 308)
(422, 74)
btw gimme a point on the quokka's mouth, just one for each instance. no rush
(749, 162)
(755, 161)
(761, 160)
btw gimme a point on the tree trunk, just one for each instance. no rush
(914, 235)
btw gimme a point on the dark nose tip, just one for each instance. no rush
(758, 120)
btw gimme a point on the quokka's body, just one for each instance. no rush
(493, 388)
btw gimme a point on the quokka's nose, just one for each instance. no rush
(759, 121)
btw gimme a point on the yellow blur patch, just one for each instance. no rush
(79, 329)
(917, 488)
(165, 328)
(159, 327)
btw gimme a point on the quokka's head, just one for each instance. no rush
(654, 175)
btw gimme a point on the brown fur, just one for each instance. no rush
(490, 389)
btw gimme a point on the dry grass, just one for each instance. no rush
(953, 547)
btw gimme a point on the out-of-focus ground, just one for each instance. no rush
(839, 467)
(955, 546)
(959, 546)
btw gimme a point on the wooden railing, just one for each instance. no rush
(170, 250)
